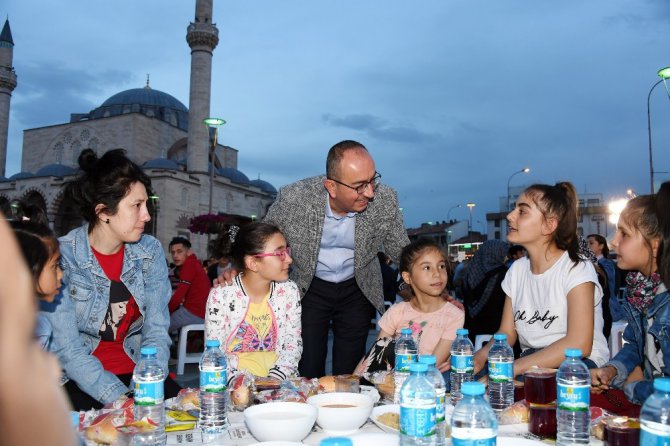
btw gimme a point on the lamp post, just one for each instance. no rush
(470, 206)
(451, 209)
(213, 128)
(154, 204)
(664, 74)
(524, 170)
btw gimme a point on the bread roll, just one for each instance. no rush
(327, 384)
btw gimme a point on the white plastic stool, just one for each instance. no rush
(480, 340)
(182, 356)
(616, 337)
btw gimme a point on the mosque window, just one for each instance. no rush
(58, 151)
(184, 196)
(76, 149)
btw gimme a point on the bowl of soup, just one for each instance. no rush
(280, 421)
(341, 413)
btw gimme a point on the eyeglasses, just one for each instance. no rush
(360, 189)
(281, 253)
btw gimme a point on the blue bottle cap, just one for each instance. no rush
(472, 388)
(500, 337)
(336, 441)
(418, 367)
(573, 353)
(148, 350)
(212, 343)
(462, 331)
(427, 359)
(662, 384)
(405, 331)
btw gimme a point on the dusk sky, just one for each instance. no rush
(450, 97)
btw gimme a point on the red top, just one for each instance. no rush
(122, 311)
(193, 288)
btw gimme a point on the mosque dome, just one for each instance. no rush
(161, 163)
(21, 176)
(55, 170)
(264, 186)
(149, 102)
(234, 175)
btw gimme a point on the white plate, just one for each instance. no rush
(277, 443)
(377, 411)
(372, 392)
(517, 441)
(375, 439)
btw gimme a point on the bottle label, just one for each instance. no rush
(574, 398)
(213, 380)
(402, 362)
(654, 434)
(148, 393)
(439, 405)
(501, 372)
(417, 419)
(491, 441)
(462, 363)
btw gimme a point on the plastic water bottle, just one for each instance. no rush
(336, 441)
(473, 421)
(213, 420)
(417, 408)
(405, 354)
(435, 377)
(501, 371)
(654, 422)
(573, 382)
(462, 363)
(148, 377)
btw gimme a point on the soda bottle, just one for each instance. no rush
(212, 393)
(501, 370)
(473, 421)
(654, 421)
(148, 377)
(462, 363)
(417, 408)
(573, 383)
(405, 354)
(434, 376)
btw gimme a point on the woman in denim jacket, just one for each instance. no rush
(115, 285)
(641, 242)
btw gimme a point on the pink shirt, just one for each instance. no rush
(427, 328)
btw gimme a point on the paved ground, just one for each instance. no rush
(190, 377)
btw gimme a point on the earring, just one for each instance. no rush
(107, 221)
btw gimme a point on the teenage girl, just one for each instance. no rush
(42, 255)
(552, 295)
(257, 318)
(598, 245)
(642, 244)
(433, 320)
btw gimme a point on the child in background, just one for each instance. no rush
(433, 320)
(257, 318)
(642, 243)
(42, 255)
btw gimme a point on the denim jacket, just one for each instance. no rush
(633, 352)
(85, 297)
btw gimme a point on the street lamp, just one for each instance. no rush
(524, 170)
(664, 74)
(154, 198)
(470, 206)
(451, 209)
(213, 128)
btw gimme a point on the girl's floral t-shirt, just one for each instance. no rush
(427, 328)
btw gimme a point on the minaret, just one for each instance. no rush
(7, 85)
(202, 36)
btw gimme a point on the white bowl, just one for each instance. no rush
(280, 421)
(379, 410)
(341, 413)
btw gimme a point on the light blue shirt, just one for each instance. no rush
(336, 252)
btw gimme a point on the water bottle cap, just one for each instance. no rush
(662, 384)
(212, 343)
(336, 441)
(462, 332)
(149, 350)
(500, 337)
(472, 388)
(427, 359)
(406, 331)
(418, 367)
(573, 353)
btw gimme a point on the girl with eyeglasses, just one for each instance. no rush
(257, 318)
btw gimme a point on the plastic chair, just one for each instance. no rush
(480, 340)
(616, 337)
(182, 356)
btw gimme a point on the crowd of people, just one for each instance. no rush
(311, 266)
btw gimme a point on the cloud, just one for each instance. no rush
(380, 128)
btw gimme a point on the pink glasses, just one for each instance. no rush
(281, 253)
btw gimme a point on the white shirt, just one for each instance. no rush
(540, 305)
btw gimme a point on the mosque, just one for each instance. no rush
(170, 141)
